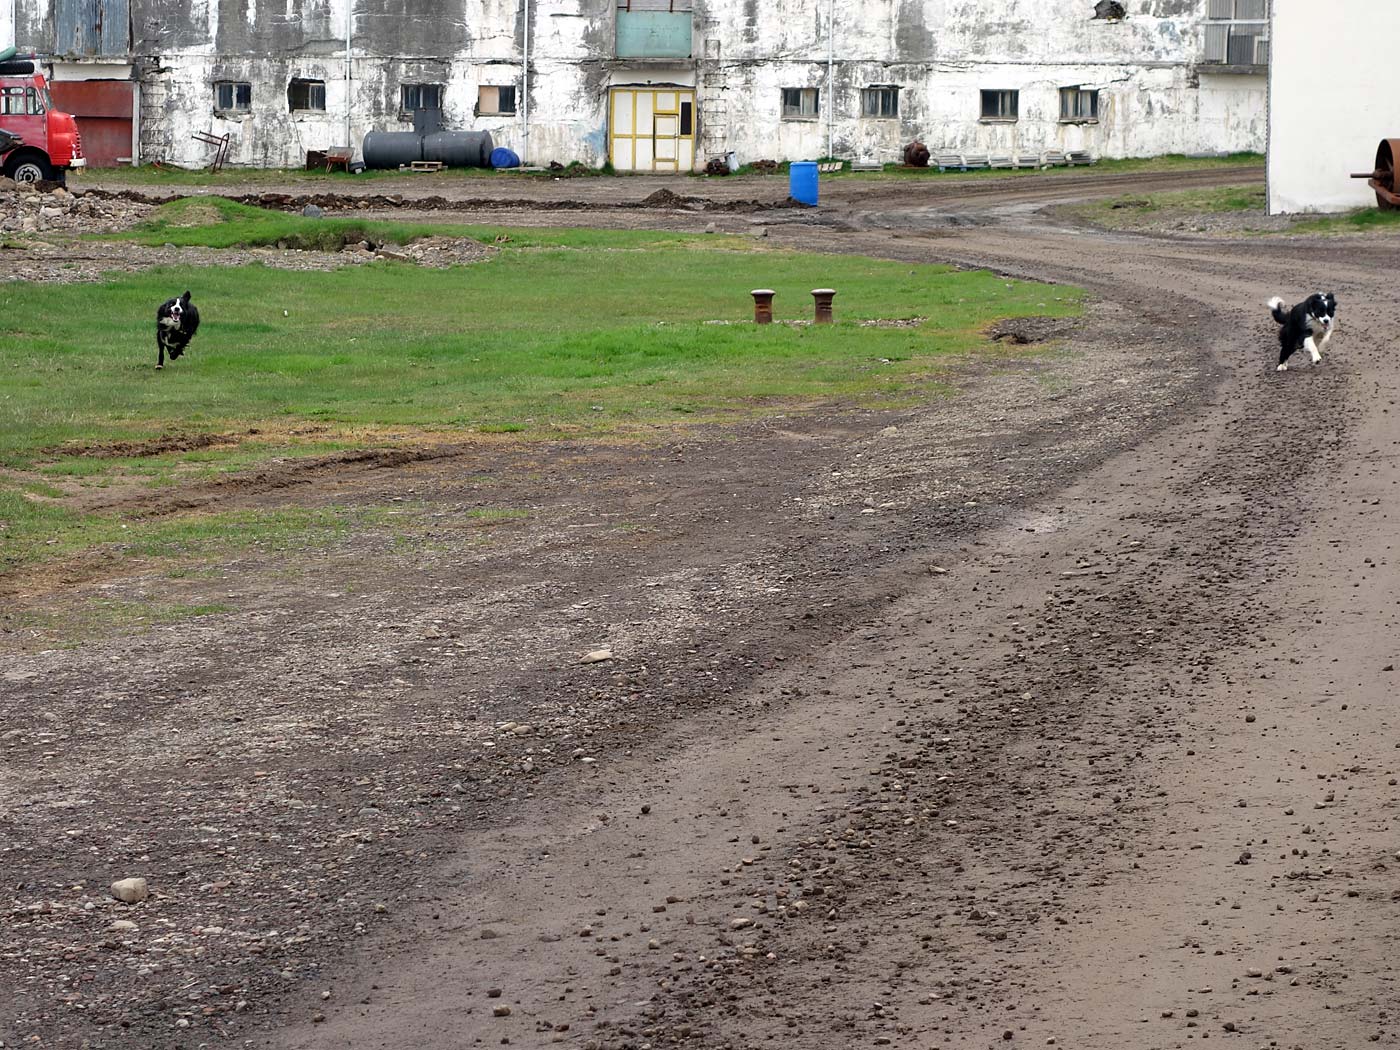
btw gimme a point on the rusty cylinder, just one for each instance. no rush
(763, 305)
(823, 297)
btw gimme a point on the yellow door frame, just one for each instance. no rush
(683, 95)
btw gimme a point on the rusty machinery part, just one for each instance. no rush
(1382, 178)
(916, 155)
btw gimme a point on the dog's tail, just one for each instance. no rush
(1276, 308)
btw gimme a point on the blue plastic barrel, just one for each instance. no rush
(504, 158)
(802, 182)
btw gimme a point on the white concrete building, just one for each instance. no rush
(1329, 103)
(664, 84)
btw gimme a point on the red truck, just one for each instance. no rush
(36, 141)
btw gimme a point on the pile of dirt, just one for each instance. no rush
(344, 202)
(26, 209)
(664, 198)
(441, 252)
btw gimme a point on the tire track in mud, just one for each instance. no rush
(950, 829)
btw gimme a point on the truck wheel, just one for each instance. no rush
(29, 169)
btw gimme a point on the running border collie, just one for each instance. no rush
(1314, 317)
(177, 320)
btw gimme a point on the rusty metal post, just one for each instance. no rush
(823, 296)
(763, 305)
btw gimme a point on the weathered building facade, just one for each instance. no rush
(664, 84)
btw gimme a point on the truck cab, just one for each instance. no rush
(40, 142)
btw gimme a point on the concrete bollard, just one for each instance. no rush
(763, 305)
(824, 296)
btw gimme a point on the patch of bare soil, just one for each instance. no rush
(1024, 331)
(55, 260)
(152, 447)
(1139, 216)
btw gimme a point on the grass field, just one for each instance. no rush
(1123, 211)
(579, 332)
(1214, 200)
(1359, 221)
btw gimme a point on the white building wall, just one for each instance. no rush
(1329, 103)
(941, 53)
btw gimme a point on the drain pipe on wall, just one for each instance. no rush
(349, 31)
(830, 78)
(525, 92)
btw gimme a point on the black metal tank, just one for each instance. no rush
(453, 149)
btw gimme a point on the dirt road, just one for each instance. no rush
(1061, 712)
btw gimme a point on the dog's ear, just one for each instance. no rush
(186, 297)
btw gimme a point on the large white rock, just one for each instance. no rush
(131, 891)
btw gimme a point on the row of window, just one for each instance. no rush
(230, 96)
(1076, 104)
(236, 96)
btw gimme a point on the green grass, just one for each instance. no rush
(1169, 162)
(1214, 199)
(591, 332)
(1124, 212)
(566, 329)
(1121, 211)
(34, 531)
(1359, 221)
(496, 515)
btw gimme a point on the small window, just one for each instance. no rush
(420, 96)
(495, 101)
(1237, 32)
(1001, 105)
(306, 95)
(20, 102)
(233, 97)
(800, 103)
(1078, 105)
(687, 118)
(879, 102)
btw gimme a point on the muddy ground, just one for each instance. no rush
(1058, 712)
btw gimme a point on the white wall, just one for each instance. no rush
(1155, 99)
(7, 23)
(1330, 101)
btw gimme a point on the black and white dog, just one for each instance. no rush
(1308, 326)
(177, 320)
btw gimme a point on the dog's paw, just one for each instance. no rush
(1281, 368)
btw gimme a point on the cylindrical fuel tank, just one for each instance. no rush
(458, 149)
(391, 149)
